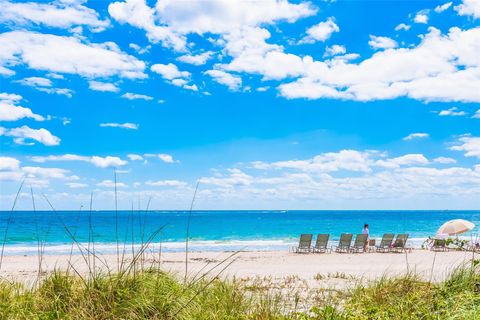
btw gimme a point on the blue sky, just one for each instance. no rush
(270, 104)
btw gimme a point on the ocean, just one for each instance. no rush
(209, 230)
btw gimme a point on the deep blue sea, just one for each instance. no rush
(209, 230)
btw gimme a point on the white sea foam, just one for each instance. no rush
(179, 246)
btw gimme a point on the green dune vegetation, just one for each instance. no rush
(153, 294)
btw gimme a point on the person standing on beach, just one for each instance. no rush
(367, 232)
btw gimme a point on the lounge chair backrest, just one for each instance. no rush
(322, 241)
(360, 240)
(305, 240)
(387, 240)
(401, 241)
(345, 240)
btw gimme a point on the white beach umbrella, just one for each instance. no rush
(454, 227)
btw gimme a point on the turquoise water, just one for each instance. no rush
(210, 230)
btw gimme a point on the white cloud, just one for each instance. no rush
(469, 8)
(452, 112)
(103, 86)
(402, 26)
(476, 115)
(101, 162)
(170, 21)
(60, 14)
(76, 185)
(35, 82)
(440, 68)
(418, 135)
(470, 145)
(134, 157)
(24, 134)
(126, 125)
(444, 160)
(192, 87)
(443, 7)
(66, 55)
(405, 160)
(169, 71)
(136, 96)
(166, 183)
(233, 82)
(10, 97)
(321, 31)
(139, 49)
(421, 17)
(167, 158)
(138, 14)
(350, 160)
(198, 60)
(174, 76)
(10, 111)
(334, 50)
(111, 184)
(44, 85)
(9, 163)
(381, 42)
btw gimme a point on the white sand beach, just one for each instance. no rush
(317, 270)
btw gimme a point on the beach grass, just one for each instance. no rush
(153, 294)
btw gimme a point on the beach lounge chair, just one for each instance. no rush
(344, 243)
(321, 244)
(439, 245)
(359, 244)
(386, 242)
(305, 244)
(400, 243)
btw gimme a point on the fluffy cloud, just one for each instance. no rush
(101, 162)
(9, 163)
(170, 21)
(44, 85)
(421, 17)
(135, 157)
(102, 86)
(166, 183)
(444, 160)
(440, 68)
(418, 135)
(76, 185)
(350, 160)
(470, 145)
(334, 50)
(231, 81)
(406, 160)
(68, 55)
(60, 14)
(126, 125)
(111, 184)
(443, 7)
(169, 71)
(321, 31)
(198, 60)
(136, 96)
(452, 112)
(174, 76)
(167, 158)
(10, 111)
(138, 14)
(381, 42)
(24, 135)
(469, 8)
(402, 26)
